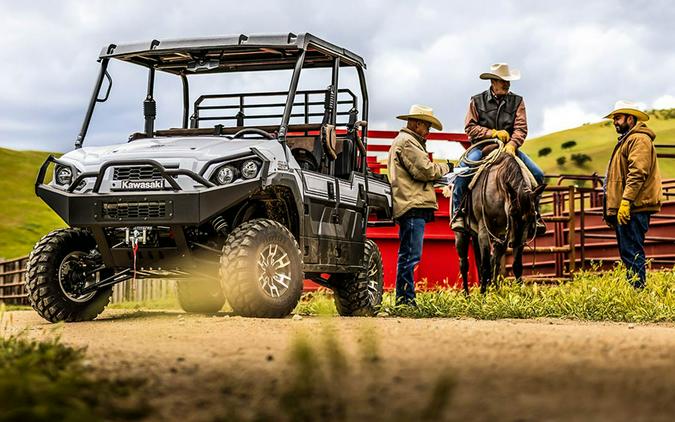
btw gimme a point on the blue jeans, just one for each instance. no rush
(631, 239)
(462, 183)
(411, 235)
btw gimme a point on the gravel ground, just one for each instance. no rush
(207, 368)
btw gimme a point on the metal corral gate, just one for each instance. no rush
(577, 237)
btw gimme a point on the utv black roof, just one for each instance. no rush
(232, 53)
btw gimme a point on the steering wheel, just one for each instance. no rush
(255, 130)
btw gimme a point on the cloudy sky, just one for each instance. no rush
(577, 57)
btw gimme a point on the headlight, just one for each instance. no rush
(249, 169)
(225, 175)
(64, 175)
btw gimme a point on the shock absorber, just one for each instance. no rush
(220, 225)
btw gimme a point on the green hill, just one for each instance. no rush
(23, 217)
(597, 141)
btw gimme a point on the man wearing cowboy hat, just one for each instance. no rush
(632, 187)
(412, 173)
(496, 113)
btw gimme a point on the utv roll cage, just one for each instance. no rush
(189, 57)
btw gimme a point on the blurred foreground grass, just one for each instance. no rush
(44, 380)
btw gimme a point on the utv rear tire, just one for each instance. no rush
(261, 269)
(200, 297)
(360, 294)
(46, 291)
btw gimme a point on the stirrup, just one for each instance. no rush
(457, 223)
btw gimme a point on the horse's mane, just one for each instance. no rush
(510, 176)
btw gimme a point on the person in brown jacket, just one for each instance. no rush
(632, 187)
(412, 174)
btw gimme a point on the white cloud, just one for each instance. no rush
(664, 101)
(566, 116)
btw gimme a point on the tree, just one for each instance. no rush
(561, 160)
(568, 144)
(580, 159)
(544, 152)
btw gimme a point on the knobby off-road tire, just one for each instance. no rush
(261, 269)
(47, 294)
(200, 296)
(360, 294)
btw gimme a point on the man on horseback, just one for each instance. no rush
(412, 174)
(500, 114)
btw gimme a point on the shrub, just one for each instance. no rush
(580, 159)
(568, 144)
(545, 151)
(561, 160)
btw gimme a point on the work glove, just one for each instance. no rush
(502, 135)
(510, 149)
(623, 216)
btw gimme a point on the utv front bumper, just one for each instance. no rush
(142, 208)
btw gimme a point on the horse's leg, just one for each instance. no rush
(462, 246)
(485, 261)
(518, 263)
(519, 239)
(497, 255)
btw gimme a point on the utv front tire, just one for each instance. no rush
(53, 268)
(200, 297)
(261, 269)
(360, 294)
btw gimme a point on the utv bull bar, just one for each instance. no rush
(161, 207)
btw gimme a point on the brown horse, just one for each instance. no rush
(502, 213)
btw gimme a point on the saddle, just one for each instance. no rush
(488, 162)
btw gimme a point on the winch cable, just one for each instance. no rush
(134, 250)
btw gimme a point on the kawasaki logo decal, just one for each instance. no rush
(141, 185)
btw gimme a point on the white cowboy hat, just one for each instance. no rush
(627, 107)
(501, 71)
(424, 113)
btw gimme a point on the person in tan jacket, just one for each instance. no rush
(412, 174)
(632, 187)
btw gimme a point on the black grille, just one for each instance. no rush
(136, 173)
(134, 210)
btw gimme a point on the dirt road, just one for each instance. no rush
(202, 368)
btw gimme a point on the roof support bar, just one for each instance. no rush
(186, 100)
(92, 103)
(290, 99)
(364, 113)
(149, 105)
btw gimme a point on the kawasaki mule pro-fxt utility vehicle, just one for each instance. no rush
(229, 206)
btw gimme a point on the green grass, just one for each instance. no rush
(590, 296)
(24, 218)
(48, 381)
(597, 140)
